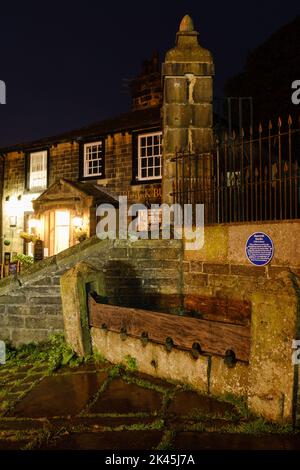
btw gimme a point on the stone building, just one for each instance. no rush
(240, 320)
(51, 187)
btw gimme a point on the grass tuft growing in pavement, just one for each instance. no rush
(167, 440)
(131, 363)
(116, 371)
(54, 353)
(259, 426)
(240, 404)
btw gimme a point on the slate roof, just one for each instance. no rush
(134, 120)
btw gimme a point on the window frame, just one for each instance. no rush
(139, 178)
(84, 145)
(28, 164)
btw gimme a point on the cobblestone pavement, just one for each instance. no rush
(101, 406)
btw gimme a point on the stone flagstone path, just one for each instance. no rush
(101, 406)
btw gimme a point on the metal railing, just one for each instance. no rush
(245, 177)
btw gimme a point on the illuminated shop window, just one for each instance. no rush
(149, 156)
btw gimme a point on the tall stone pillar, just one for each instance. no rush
(187, 102)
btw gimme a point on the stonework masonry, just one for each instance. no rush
(182, 98)
(187, 106)
(119, 171)
(64, 160)
(31, 305)
(45, 299)
(64, 163)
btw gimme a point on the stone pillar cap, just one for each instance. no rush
(188, 50)
(186, 24)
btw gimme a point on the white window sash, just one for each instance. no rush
(144, 178)
(86, 169)
(38, 170)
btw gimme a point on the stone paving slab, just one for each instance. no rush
(20, 388)
(121, 397)
(188, 402)
(22, 424)
(217, 441)
(12, 445)
(105, 407)
(98, 422)
(111, 440)
(154, 380)
(89, 367)
(59, 395)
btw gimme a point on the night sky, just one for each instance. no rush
(64, 62)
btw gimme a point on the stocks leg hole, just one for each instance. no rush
(230, 358)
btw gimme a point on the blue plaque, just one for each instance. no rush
(259, 249)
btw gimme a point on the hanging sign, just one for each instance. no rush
(38, 250)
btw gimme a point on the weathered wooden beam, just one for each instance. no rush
(214, 337)
(219, 309)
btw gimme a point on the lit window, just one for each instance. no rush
(149, 156)
(93, 159)
(38, 170)
(149, 218)
(62, 230)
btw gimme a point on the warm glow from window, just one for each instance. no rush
(38, 170)
(34, 223)
(62, 230)
(77, 222)
(62, 218)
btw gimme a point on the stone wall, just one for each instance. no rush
(17, 200)
(13, 188)
(208, 374)
(187, 109)
(30, 305)
(64, 163)
(119, 171)
(32, 312)
(220, 269)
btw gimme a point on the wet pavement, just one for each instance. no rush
(121, 397)
(100, 406)
(51, 397)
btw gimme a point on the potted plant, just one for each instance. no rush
(28, 237)
(25, 260)
(81, 234)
